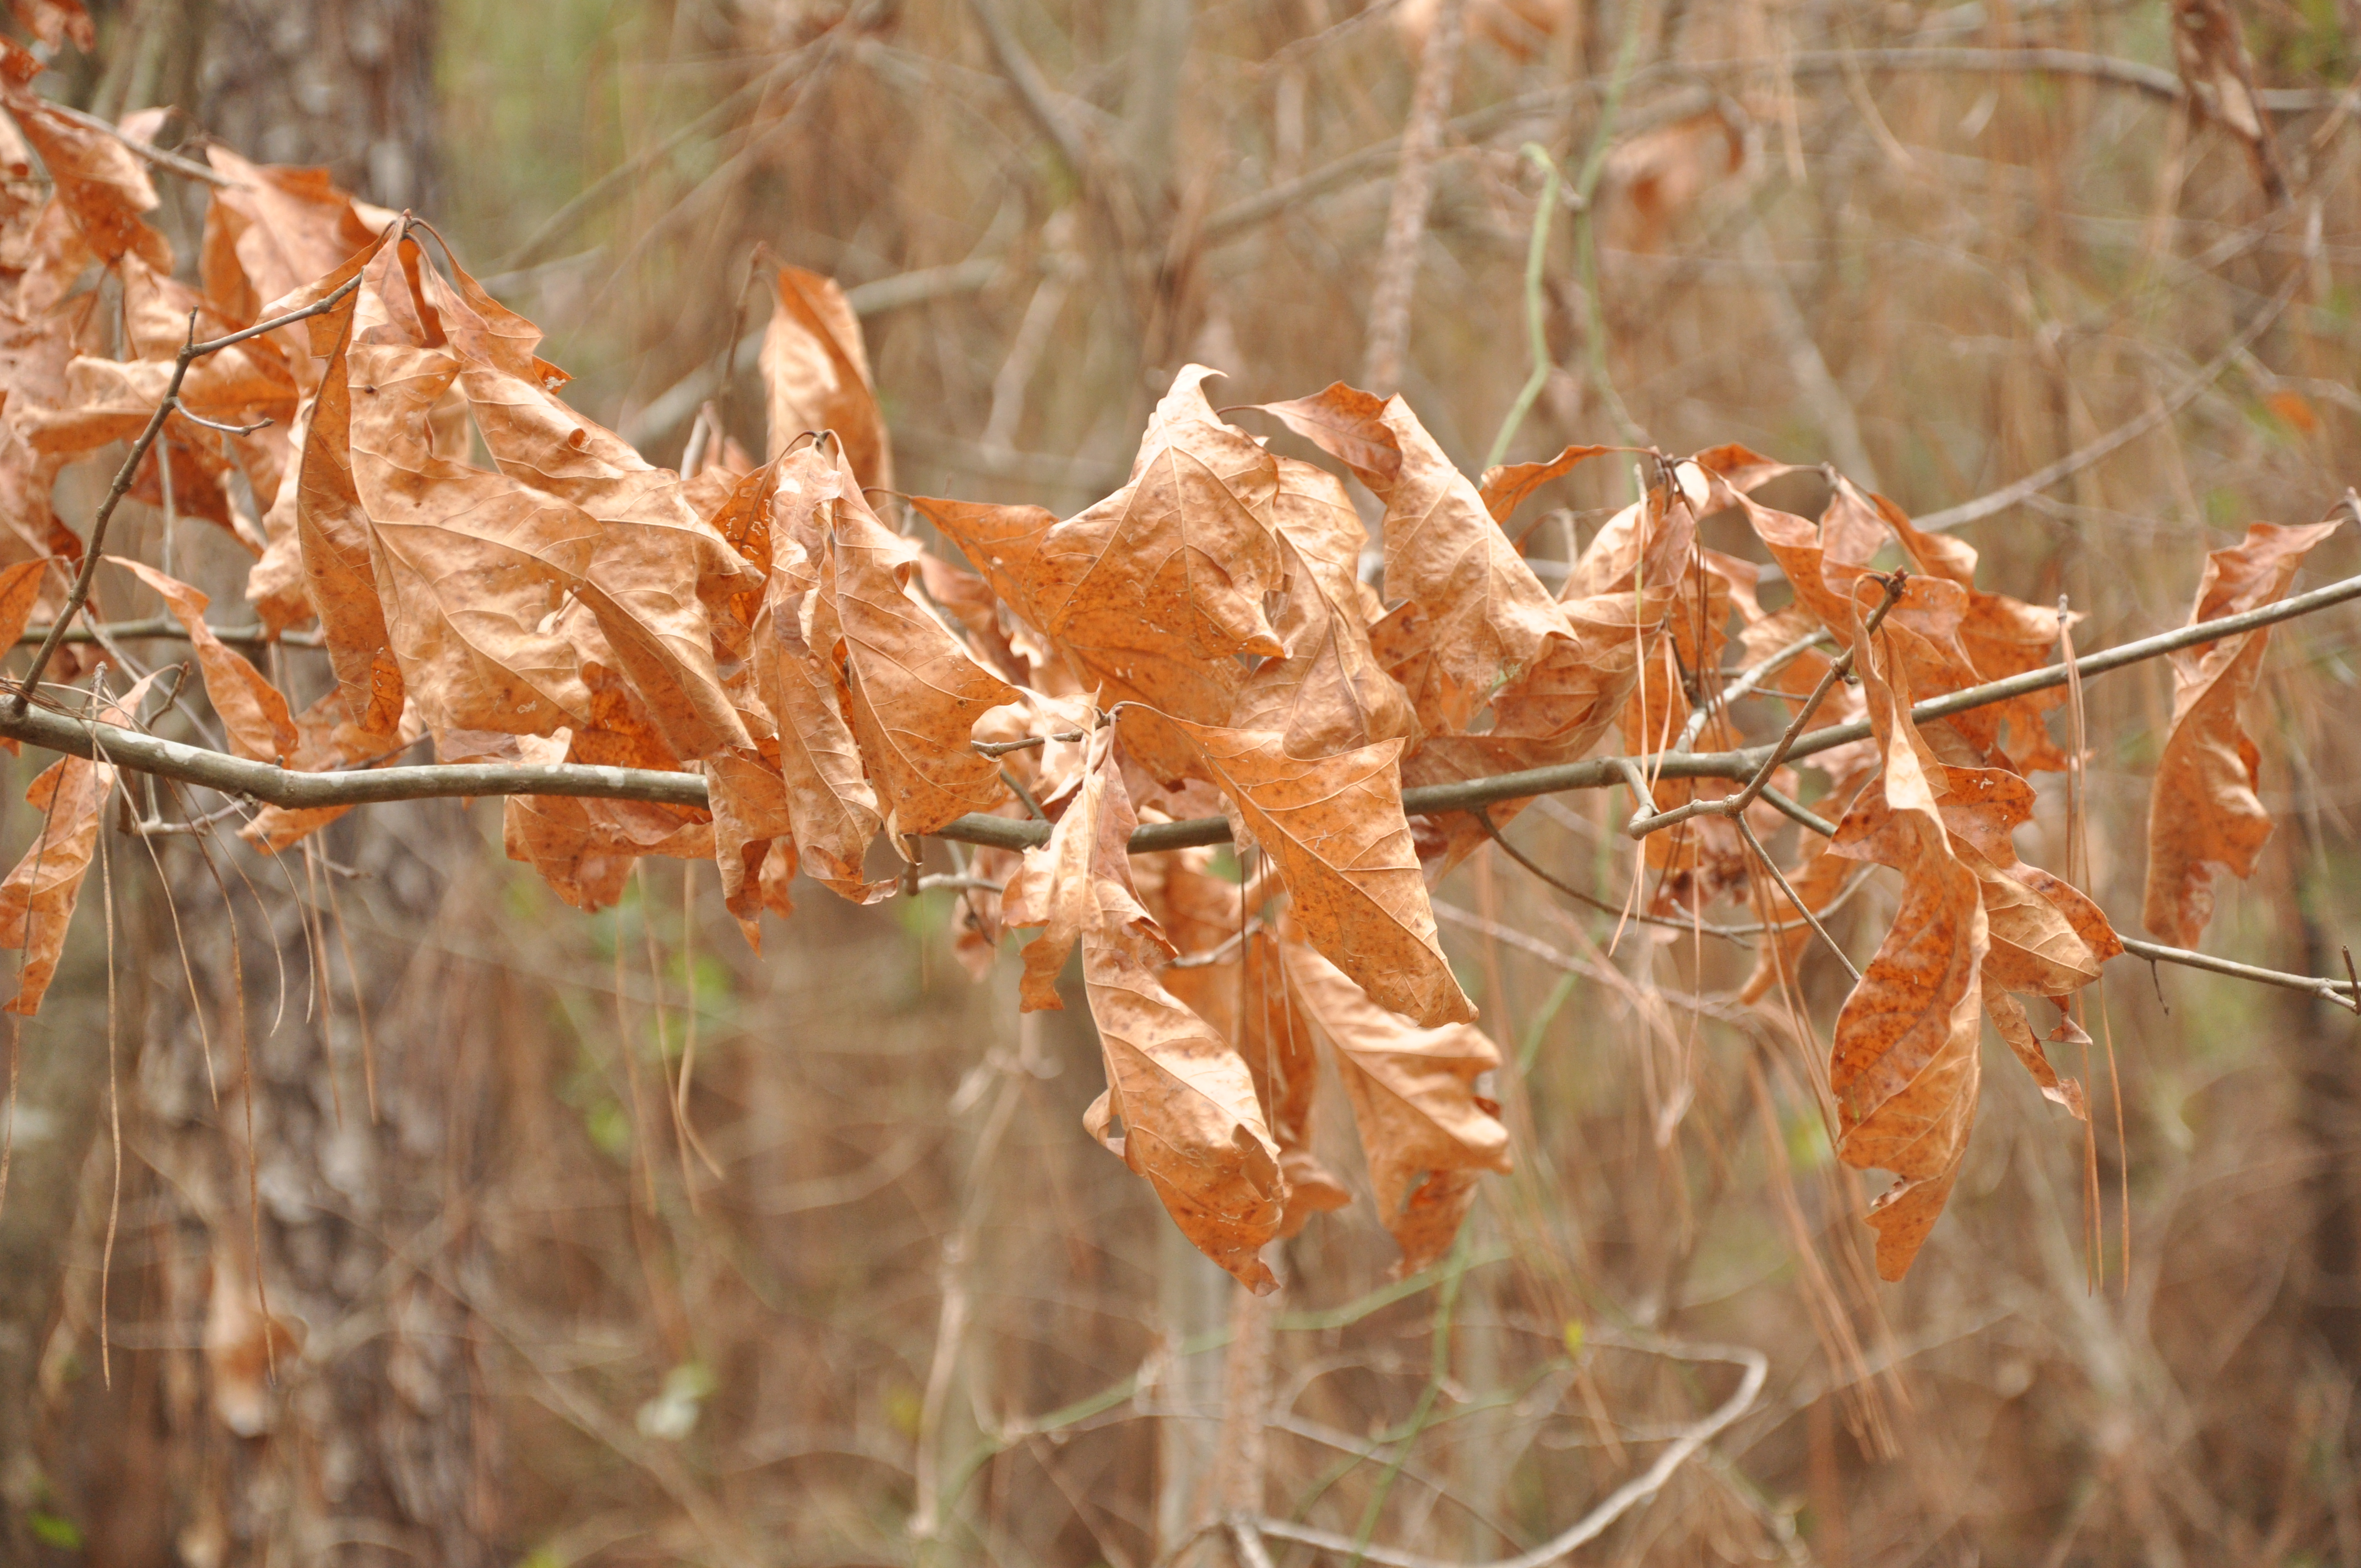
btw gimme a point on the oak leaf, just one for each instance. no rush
(815, 369)
(36, 900)
(254, 715)
(101, 181)
(1153, 591)
(1427, 1134)
(1333, 827)
(1190, 1122)
(2203, 815)
(1904, 1067)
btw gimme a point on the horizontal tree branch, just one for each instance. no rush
(289, 787)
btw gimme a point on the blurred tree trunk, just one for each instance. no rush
(344, 1422)
(372, 1125)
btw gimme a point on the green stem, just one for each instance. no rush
(1438, 1369)
(1536, 253)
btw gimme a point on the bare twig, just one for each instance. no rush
(1653, 821)
(2082, 458)
(1613, 1507)
(2344, 993)
(1397, 271)
(155, 155)
(1745, 685)
(165, 628)
(1002, 748)
(292, 787)
(224, 429)
(1794, 897)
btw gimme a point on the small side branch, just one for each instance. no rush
(2345, 993)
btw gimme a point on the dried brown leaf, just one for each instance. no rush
(254, 714)
(816, 370)
(1427, 1134)
(1333, 827)
(36, 900)
(2203, 815)
(1191, 1121)
(1905, 1068)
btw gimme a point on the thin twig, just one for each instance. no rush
(1794, 897)
(1745, 685)
(2346, 995)
(1405, 231)
(165, 628)
(155, 155)
(292, 787)
(1002, 748)
(1613, 1507)
(1536, 318)
(224, 429)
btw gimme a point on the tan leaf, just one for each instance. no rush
(1052, 887)
(1246, 998)
(1333, 827)
(1152, 591)
(1349, 425)
(20, 591)
(1490, 617)
(272, 230)
(2001, 636)
(102, 182)
(831, 804)
(469, 565)
(1328, 694)
(912, 691)
(816, 372)
(2008, 1018)
(321, 502)
(2203, 813)
(36, 900)
(1505, 488)
(1427, 1134)
(253, 714)
(1186, 1101)
(1905, 1068)
(659, 577)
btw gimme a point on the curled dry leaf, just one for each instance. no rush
(1905, 1068)
(253, 714)
(1153, 591)
(816, 374)
(1052, 887)
(36, 900)
(1191, 1121)
(833, 807)
(1488, 617)
(1329, 693)
(912, 689)
(101, 181)
(2203, 813)
(470, 566)
(334, 541)
(2001, 636)
(1505, 488)
(270, 231)
(1333, 827)
(242, 1343)
(1234, 979)
(1427, 1134)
